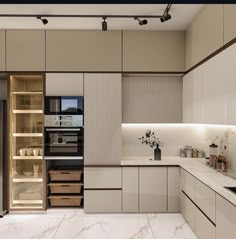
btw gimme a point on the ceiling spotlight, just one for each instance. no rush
(141, 22)
(104, 24)
(165, 17)
(44, 20)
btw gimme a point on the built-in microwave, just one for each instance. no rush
(63, 105)
(63, 143)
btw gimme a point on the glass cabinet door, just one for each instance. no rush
(26, 142)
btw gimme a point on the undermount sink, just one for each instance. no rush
(232, 189)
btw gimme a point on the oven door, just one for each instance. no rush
(63, 105)
(64, 143)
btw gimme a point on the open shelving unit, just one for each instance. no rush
(26, 165)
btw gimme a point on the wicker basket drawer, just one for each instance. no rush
(65, 175)
(61, 201)
(65, 187)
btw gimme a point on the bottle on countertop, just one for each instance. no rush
(213, 155)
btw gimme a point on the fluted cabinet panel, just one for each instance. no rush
(2, 50)
(102, 119)
(64, 84)
(230, 76)
(152, 99)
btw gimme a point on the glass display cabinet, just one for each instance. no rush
(26, 165)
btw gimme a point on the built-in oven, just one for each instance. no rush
(63, 143)
(63, 105)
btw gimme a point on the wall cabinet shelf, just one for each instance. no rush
(24, 179)
(27, 111)
(26, 166)
(27, 134)
(27, 157)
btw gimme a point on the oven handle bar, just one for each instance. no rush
(63, 158)
(60, 129)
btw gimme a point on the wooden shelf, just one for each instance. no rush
(27, 111)
(27, 201)
(27, 157)
(27, 93)
(27, 134)
(25, 179)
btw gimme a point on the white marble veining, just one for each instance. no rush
(170, 226)
(215, 180)
(75, 224)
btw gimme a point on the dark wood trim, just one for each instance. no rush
(101, 166)
(199, 208)
(151, 166)
(103, 189)
(228, 44)
(95, 72)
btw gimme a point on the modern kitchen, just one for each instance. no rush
(118, 121)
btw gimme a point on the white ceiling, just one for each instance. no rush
(182, 16)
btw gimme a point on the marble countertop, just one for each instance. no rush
(197, 167)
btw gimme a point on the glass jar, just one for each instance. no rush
(182, 153)
(194, 153)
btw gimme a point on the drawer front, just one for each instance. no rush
(206, 200)
(130, 189)
(102, 177)
(188, 210)
(188, 184)
(104, 201)
(173, 189)
(225, 219)
(204, 228)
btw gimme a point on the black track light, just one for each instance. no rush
(165, 18)
(141, 22)
(104, 24)
(44, 20)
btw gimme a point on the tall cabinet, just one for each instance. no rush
(102, 119)
(26, 142)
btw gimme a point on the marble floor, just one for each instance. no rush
(72, 224)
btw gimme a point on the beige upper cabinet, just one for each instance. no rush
(153, 51)
(25, 50)
(205, 35)
(229, 22)
(2, 50)
(66, 84)
(151, 99)
(70, 50)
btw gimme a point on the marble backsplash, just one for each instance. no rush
(176, 136)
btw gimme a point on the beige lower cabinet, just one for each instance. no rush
(173, 189)
(130, 189)
(225, 219)
(188, 210)
(204, 228)
(187, 182)
(153, 189)
(206, 199)
(104, 201)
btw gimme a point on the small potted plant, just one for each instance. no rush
(152, 141)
